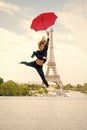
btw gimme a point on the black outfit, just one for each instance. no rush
(40, 54)
(39, 68)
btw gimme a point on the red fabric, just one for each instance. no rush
(43, 21)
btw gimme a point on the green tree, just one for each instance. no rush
(8, 88)
(85, 84)
(68, 87)
(1, 80)
(79, 87)
(23, 90)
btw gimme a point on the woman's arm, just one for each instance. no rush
(47, 42)
(37, 54)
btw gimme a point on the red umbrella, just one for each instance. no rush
(43, 21)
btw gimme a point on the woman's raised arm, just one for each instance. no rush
(47, 42)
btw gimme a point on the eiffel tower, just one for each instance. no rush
(51, 66)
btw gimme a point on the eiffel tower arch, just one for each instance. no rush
(51, 66)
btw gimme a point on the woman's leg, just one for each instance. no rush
(41, 73)
(39, 70)
(31, 64)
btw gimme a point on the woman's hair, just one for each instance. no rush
(42, 42)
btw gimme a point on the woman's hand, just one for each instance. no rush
(47, 32)
(45, 58)
(34, 54)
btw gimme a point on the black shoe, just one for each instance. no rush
(22, 62)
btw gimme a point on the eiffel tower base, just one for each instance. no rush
(55, 79)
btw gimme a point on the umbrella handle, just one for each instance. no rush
(47, 32)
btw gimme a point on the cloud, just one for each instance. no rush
(9, 42)
(71, 63)
(25, 24)
(30, 33)
(76, 7)
(73, 18)
(9, 8)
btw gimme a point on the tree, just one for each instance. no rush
(85, 84)
(1, 80)
(8, 88)
(68, 87)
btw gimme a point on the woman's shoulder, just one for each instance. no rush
(41, 51)
(38, 51)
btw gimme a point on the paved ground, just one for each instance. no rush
(44, 113)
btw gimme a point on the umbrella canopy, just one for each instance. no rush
(43, 21)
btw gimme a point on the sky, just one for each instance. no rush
(18, 41)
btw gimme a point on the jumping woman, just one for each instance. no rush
(41, 58)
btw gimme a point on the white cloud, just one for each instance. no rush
(25, 24)
(75, 23)
(76, 7)
(9, 8)
(30, 33)
(71, 63)
(72, 44)
(73, 18)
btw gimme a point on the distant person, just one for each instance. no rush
(41, 58)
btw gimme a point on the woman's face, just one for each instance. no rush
(41, 47)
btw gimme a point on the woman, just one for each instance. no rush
(41, 56)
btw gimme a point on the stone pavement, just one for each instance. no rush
(44, 113)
